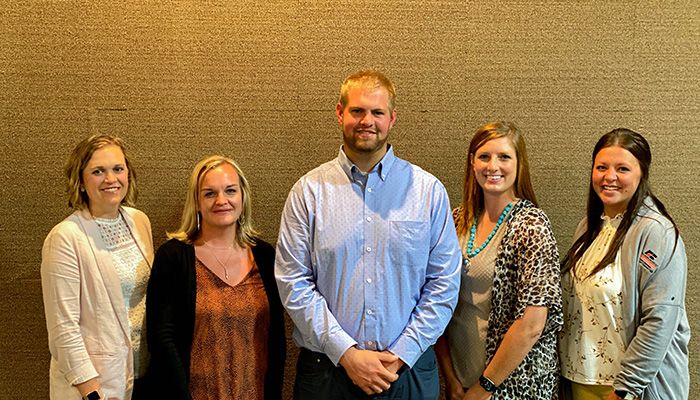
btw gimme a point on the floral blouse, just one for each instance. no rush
(591, 342)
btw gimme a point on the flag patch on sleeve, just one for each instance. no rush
(647, 260)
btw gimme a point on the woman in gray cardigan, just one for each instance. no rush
(625, 331)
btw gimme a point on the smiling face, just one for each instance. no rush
(615, 177)
(495, 167)
(366, 121)
(220, 198)
(106, 181)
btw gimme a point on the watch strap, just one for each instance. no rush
(487, 384)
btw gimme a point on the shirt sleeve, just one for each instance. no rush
(663, 269)
(441, 289)
(537, 257)
(60, 284)
(294, 273)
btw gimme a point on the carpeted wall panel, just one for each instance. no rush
(259, 81)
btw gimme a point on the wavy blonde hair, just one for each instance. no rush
(82, 153)
(189, 228)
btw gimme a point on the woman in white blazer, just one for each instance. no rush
(94, 273)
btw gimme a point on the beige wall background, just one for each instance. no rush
(258, 81)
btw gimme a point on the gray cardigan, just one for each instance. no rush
(655, 364)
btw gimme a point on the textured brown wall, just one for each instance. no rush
(258, 81)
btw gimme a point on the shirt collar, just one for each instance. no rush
(382, 168)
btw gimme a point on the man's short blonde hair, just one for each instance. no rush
(368, 78)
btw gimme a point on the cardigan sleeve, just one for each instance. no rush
(662, 267)
(264, 255)
(163, 322)
(61, 288)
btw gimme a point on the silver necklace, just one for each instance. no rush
(223, 265)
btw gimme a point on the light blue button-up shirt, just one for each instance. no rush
(370, 259)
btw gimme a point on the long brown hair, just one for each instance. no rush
(639, 147)
(473, 197)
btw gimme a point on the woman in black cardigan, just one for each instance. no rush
(215, 324)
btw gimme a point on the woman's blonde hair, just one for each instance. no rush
(82, 153)
(189, 228)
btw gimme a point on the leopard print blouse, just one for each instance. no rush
(526, 273)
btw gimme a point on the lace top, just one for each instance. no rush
(133, 271)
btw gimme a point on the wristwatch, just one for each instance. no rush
(487, 384)
(624, 395)
(94, 395)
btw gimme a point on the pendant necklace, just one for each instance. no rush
(223, 265)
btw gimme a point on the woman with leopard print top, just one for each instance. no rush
(501, 342)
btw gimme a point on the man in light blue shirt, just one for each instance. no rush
(367, 260)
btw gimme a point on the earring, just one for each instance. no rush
(197, 220)
(241, 220)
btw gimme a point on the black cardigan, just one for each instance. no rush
(170, 313)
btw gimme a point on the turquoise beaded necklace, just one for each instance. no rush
(472, 253)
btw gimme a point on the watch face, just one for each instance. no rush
(487, 384)
(94, 395)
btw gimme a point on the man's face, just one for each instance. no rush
(365, 121)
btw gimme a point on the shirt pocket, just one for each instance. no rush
(409, 243)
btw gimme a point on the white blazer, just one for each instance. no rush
(86, 319)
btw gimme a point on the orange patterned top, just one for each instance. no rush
(229, 347)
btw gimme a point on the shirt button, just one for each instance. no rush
(369, 312)
(369, 190)
(370, 343)
(369, 219)
(368, 249)
(369, 280)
